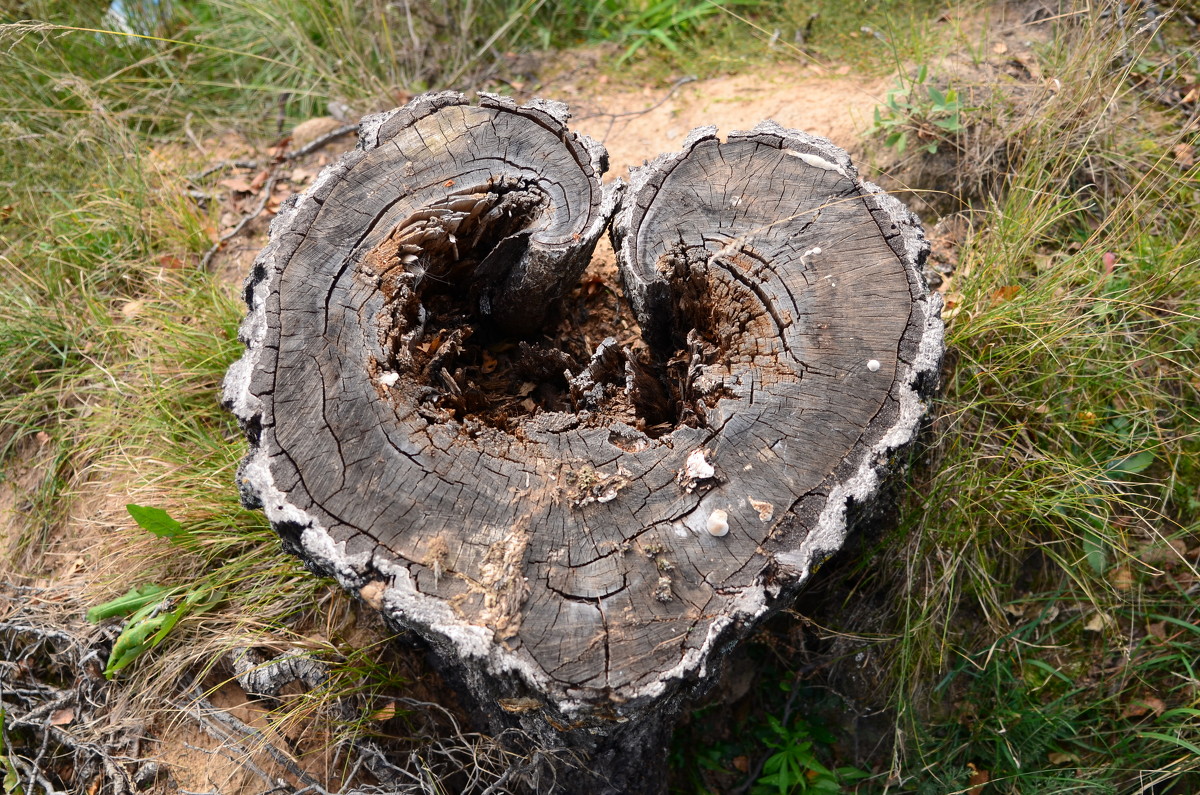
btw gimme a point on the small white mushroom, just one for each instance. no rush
(873, 365)
(389, 379)
(718, 522)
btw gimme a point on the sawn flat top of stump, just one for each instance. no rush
(778, 294)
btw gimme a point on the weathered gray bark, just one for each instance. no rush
(581, 564)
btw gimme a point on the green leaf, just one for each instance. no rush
(938, 97)
(12, 776)
(130, 644)
(1049, 669)
(158, 522)
(150, 626)
(666, 40)
(852, 773)
(136, 599)
(1095, 552)
(1191, 747)
(1131, 465)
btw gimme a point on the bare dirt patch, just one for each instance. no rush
(637, 123)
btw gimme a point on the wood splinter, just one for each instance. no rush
(573, 532)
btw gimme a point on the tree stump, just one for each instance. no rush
(579, 538)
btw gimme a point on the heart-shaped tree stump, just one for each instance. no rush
(578, 540)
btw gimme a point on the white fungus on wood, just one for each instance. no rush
(695, 469)
(718, 522)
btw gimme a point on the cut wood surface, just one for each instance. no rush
(582, 533)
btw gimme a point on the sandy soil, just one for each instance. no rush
(637, 124)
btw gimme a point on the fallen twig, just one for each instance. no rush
(303, 151)
(612, 117)
(247, 218)
(320, 141)
(221, 165)
(204, 710)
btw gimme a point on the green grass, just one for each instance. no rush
(1026, 618)
(1065, 449)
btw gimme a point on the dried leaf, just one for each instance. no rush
(259, 180)
(237, 185)
(741, 764)
(1144, 706)
(1000, 48)
(1157, 629)
(1157, 554)
(517, 705)
(978, 780)
(386, 713)
(1121, 578)
(61, 717)
(1059, 758)
(1005, 293)
(1097, 622)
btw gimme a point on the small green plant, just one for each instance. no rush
(12, 777)
(153, 610)
(663, 22)
(794, 767)
(632, 24)
(917, 109)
